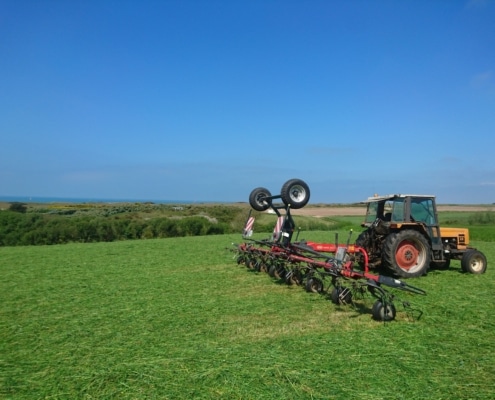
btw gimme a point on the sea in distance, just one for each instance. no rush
(47, 200)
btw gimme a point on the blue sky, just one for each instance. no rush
(206, 100)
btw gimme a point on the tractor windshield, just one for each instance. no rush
(371, 213)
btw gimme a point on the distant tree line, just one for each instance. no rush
(21, 225)
(85, 223)
(18, 228)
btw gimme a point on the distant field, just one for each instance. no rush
(329, 211)
(178, 319)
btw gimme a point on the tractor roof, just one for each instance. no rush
(377, 198)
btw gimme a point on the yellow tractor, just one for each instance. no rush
(404, 236)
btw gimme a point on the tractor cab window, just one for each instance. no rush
(398, 210)
(422, 211)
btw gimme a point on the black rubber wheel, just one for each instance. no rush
(474, 262)
(257, 199)
(251, 263)
(314, 285)
(341, 295)
(240, 260)
(381, 312)
(293, 277)
(261, 266)
(407, 253)
(277, 271)
(295, 193)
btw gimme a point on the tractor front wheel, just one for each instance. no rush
(474, 261)
(407, 254)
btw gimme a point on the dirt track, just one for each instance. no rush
(340, 211)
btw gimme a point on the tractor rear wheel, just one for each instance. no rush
(295, 193)
(363, 239)
(473, 261)
(407, 253)
(257, 199)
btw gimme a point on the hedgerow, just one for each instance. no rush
(107, 225)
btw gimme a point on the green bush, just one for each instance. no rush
(18, 207)
(67, 226)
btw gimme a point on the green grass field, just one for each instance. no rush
(178, 319)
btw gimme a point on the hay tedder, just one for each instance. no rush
(338, 270)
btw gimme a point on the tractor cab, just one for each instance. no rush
(398, 209)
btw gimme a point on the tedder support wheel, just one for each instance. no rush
(382, 312)
(341, 295)
(407, 253)
(295, 193)
(314, 285)
(257, 199)
(473, 261)
(276, 271)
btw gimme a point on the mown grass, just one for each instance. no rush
(178, 319)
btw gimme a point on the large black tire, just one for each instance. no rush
(295, 193)
(474, 262)
(381, 312)
(257, 199)
(407, 253)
